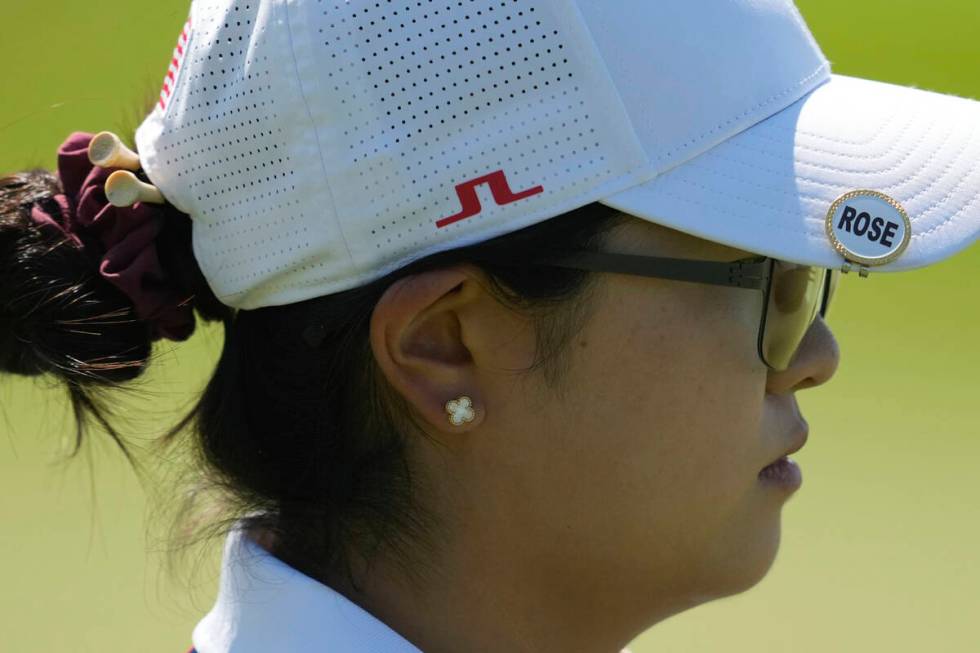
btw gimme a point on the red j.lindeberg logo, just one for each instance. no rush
(471, 202)
(171, 79)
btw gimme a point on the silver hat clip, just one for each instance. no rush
(868, 228)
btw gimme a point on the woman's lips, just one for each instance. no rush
(784, 473)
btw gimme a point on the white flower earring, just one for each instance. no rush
(460, 410)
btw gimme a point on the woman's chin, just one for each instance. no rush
(745, 559)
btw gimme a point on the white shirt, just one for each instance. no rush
(266, 606)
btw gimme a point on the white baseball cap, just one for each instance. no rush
(318, 146)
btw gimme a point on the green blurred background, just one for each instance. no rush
(879, 547)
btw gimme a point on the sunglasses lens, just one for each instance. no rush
(795, 297)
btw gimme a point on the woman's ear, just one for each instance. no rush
(421, 338)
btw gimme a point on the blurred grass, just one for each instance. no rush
(879, 547)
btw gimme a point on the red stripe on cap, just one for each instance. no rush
(171, 78)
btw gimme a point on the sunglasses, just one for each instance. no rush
(793, 294)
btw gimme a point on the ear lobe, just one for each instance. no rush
(418, 342)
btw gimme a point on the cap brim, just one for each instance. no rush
(768, 188)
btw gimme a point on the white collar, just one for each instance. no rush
(265, 605)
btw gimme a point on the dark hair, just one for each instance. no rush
(60, 317)
(302, 439)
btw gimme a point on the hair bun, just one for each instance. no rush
(123, 236)
(57, 314)
(64, 309)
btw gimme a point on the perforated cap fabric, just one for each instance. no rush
(319, 145)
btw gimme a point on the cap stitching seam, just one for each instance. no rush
(950, 218)
(929, 209)
(804, 196)
(812, 198)
(920, 169)
(782, 227)
(774, 126)
(778, 225)
(820, 166)
(880, 132)
(701, 137)
(316, 135)
(837, 187)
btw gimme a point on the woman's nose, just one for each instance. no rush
(815, 361)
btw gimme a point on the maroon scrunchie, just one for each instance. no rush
(124, 238)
